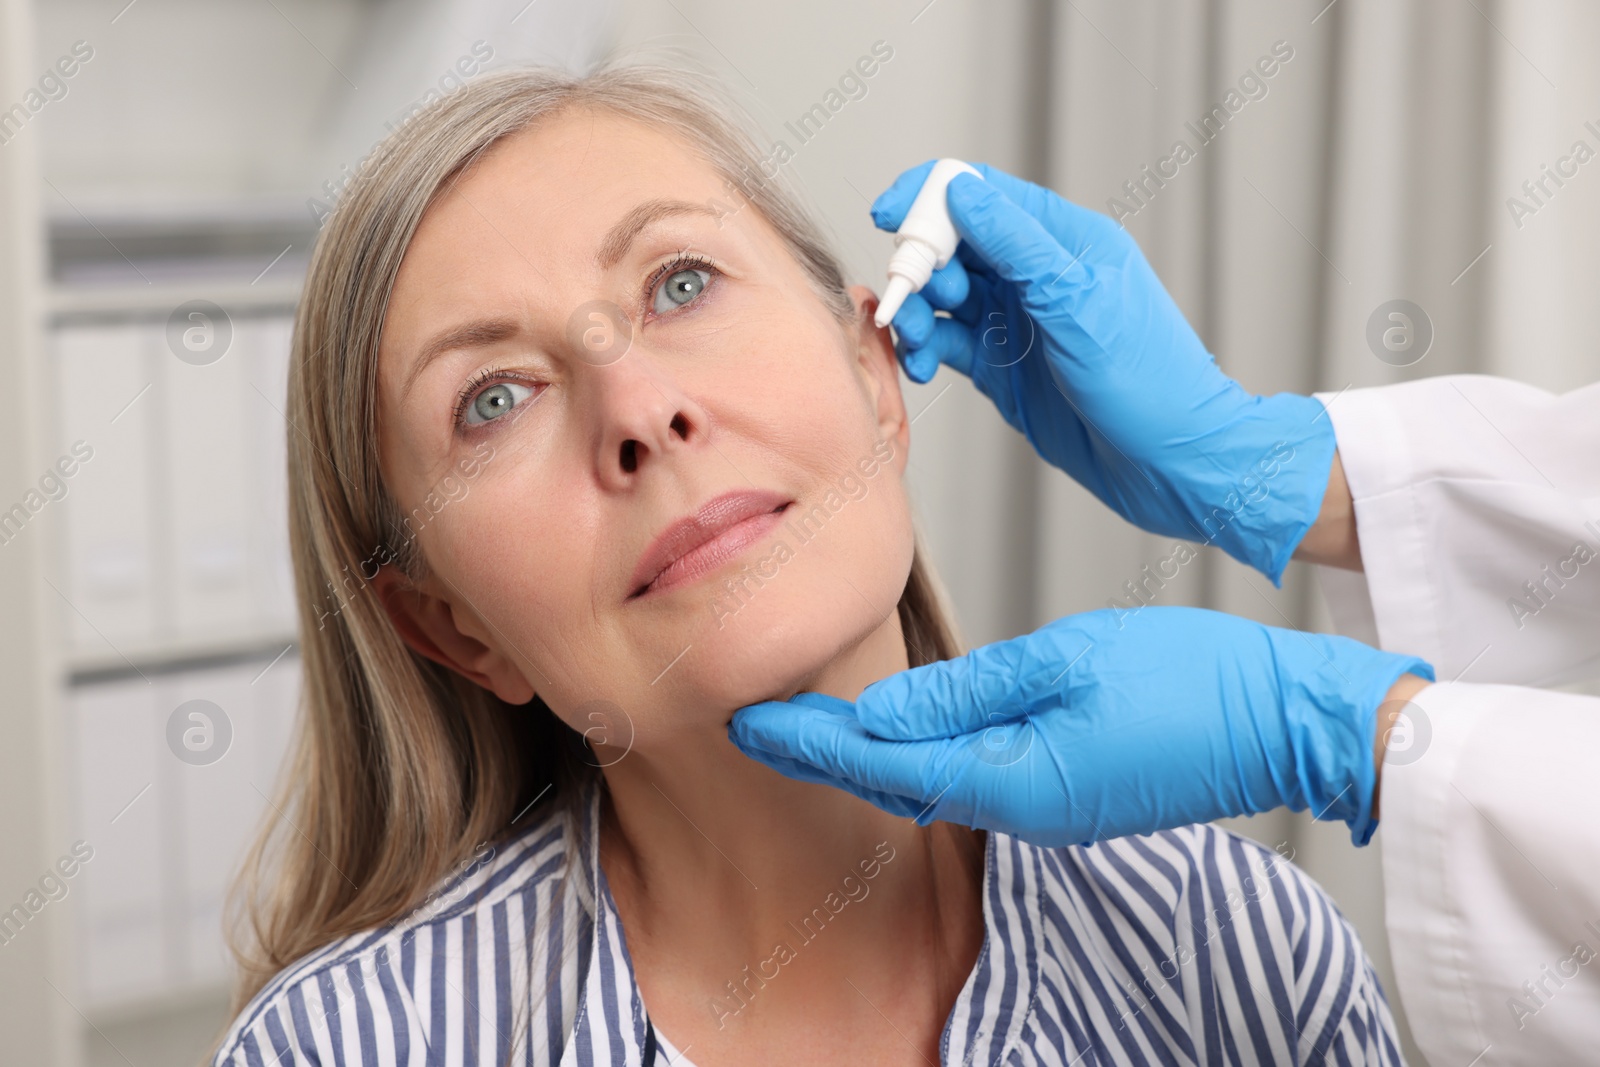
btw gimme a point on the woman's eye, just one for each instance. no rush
(495, 401)
(680, 287)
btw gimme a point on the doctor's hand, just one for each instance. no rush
(1094, 727)
(1056, 317)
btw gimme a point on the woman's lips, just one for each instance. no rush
(689, 548)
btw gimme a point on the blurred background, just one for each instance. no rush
(165, 166)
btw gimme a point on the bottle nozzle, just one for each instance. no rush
(894, 294)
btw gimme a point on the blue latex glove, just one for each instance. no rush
(1059, 320)
(1091, 729)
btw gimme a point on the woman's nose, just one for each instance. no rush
(644, 416)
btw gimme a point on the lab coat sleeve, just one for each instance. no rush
(1490, 839)
(1477, 504)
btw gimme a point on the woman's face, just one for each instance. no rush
(645, 463)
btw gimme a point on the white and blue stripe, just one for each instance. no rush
(1193, 946)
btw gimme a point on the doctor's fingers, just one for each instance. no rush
(889, 210)
(904, 807)
(954, 289)
(925, 341)
(964, 698)
(1050, 275)
(1059, 215)
(846, 754)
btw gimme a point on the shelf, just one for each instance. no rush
(143, 264)
(175, 657)
(65, 304)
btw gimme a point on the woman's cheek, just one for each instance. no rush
(518, 563)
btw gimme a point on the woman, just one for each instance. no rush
(593, 444)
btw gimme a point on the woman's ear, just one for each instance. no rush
(428, 625)
(880, 372)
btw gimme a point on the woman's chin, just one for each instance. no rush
(787, 642)
(782, 620)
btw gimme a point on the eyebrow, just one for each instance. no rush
(481, 333)
(617, 242)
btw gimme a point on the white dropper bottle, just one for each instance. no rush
(925, 241)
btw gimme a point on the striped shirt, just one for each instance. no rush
(1191, 946)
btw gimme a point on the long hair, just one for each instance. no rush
(400, 767)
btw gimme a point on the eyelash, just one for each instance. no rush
(683, 260)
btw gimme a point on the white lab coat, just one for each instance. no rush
(1473, 494)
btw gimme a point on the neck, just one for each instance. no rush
(716, 862)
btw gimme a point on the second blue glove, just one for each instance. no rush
(1094, 727)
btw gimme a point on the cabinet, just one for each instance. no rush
(163, 511)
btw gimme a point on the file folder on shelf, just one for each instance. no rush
(111, 582)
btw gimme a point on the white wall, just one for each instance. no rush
(37, 1024)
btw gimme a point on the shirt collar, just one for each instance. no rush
(997, 997)
(610, 1024)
